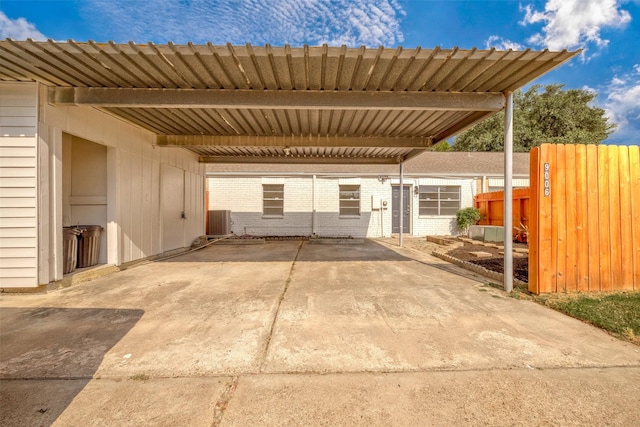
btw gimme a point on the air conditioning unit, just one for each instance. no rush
(219, 223)
(487, 233)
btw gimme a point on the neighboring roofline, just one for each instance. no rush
(432, 163)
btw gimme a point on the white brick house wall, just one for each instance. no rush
(242, 195)
(441, 225)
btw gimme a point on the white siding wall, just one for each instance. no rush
(497, 184)
(134, 222)
(18, 185)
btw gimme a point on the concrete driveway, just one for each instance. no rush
(290, 333)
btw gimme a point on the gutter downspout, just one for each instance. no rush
(508, 193)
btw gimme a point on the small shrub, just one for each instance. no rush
(522, 233)
(467, 217)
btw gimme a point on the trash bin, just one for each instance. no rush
(70, 248)
(88, 245)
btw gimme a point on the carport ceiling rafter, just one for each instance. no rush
(281, 104)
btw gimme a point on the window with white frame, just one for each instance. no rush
(439, 199)
(273, 199)
(349, 200)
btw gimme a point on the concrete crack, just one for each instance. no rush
(223, 401)
(384, 316)
(275, 316)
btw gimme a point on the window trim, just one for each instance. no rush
(274, 199)
(342, 188)
(439, 200)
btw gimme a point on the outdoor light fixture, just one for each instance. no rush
(383, 178)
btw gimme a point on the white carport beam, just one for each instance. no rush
(280, 99)
(288, 141)
(336, 160)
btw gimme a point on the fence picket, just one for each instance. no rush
(634, 180)
(582, 212)
(626, 232)
(593, 205)
(570, 258)
(614, 217)
(559, 194)
(534, 195)
(604, 219)
(557, 200)
(546, 273)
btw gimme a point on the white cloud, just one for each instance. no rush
(351, 22)
(18, 29)
(571, 24)
(502, 44)
(622, 105)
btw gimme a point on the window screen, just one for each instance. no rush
(439, 199)
(349, 200)
(273, 199)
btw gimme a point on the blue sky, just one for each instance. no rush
(608, 31)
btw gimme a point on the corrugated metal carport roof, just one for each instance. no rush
(281, 104)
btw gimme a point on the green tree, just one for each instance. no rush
(441, 146)
(552, 115)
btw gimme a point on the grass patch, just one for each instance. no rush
(140, 377)
(618, 313)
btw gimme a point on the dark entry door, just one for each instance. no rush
(395, 209)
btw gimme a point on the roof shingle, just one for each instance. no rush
(427, 163)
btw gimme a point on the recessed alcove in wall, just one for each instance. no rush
(84, 186)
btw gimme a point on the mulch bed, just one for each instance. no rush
(496, 262)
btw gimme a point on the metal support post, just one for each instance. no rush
(508, 193)
(401, 205)
(313, 206)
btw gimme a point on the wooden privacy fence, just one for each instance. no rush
(584, 231)
(491, 207)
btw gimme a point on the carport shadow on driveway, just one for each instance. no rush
(284, 251)
(49, 354)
